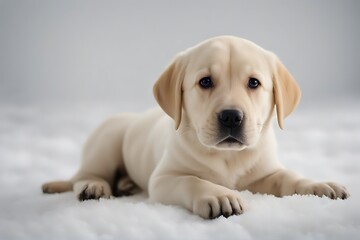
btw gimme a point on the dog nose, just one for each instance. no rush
(230, 118)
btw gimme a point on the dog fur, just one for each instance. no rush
(184, 154)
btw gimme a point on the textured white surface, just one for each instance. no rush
(42, 144)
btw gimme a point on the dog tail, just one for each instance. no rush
(57, 187)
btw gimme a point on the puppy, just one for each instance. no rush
(212, 137)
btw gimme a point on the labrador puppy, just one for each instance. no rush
(212, 137)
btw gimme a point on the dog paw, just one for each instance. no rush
(216, 206)
(126, 187)
(330, 190)
(94, 190)
(340, 191)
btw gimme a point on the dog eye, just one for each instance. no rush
(206, 83)
(253, 83)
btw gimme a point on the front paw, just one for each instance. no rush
(216, 206)
(330, 190)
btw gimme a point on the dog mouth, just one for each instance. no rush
(230, 141)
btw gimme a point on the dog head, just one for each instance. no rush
(225, 89)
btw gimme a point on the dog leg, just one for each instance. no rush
(102, 157)
(202, 197)
(284, 183)
(91, 187)
(125, 187)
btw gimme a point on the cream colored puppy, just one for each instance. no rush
(215, 139)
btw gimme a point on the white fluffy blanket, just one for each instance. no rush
(42, 144)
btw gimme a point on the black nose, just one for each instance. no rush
(230, 118)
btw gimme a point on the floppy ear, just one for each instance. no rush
(167, 90)
(286, 92)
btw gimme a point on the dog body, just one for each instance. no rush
(213, 135)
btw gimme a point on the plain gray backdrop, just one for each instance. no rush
(66, 52)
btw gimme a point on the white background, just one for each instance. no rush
(113, 51)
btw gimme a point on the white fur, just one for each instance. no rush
(183, 163)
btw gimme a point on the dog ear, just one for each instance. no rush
(286, 92)
(167, 90)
